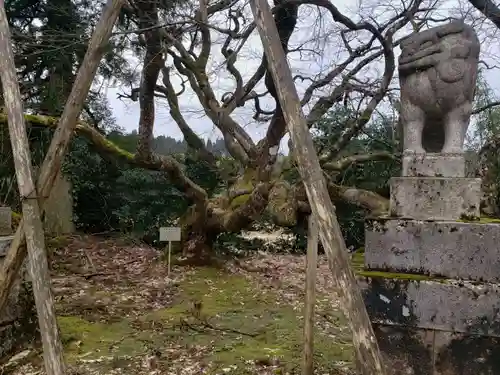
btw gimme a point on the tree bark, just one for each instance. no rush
(364, 340)
(33, 230)
(61, 140)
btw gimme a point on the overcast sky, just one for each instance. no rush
(126, 112)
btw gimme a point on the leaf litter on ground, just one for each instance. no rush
(120, 313)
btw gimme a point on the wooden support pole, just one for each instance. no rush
(60, 142)
(310, 299)
(33, 228)
(368, 358)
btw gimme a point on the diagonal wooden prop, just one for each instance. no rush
(366, 347)
(62, 137)
(33, 229)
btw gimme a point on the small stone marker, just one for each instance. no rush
(169, 234)
(5, 221)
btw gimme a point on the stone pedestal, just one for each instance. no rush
(435, 198)
(431, 280)
(18, 323)
(434, 165)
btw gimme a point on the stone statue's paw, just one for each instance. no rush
(452, 71)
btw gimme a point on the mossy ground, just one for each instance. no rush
(245, 324)
(240, 325)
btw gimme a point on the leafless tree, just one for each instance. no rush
(182, 54)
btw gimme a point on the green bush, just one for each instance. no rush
(111, 196)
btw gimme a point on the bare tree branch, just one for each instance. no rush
(489, 9)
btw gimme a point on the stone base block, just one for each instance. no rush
(405, 350)
(443, 305)
(461, 354)
(426, 352)
(433, 165)
(435, 198)
(447, 248)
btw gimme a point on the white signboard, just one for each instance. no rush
(170, 234)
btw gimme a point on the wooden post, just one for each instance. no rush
(368, 357)
(310, 300)
(33, 229)
(62, 137)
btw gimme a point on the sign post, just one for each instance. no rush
(170, 234)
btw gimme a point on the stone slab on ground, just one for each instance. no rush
(428, 352)
(433, 165)
(440, 248)
(435, 198)
(18, 323)
(5, 221)
(23, 329)
(445, 305)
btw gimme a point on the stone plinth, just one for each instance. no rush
(440, 248)
(435, 198)
(433, 165)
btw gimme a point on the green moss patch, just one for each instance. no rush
(84, 339)
(358, 264)
(224, 322)
(242, 324)
(482, 220)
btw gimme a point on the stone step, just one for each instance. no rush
(435, 198)
(440, 248)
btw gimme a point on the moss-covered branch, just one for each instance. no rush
(155, 162)
(254, 199)
(376, 204)
(344, 163)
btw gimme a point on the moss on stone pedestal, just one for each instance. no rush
(482, 220)
(358, 264)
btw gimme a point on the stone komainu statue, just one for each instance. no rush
(437, 75)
